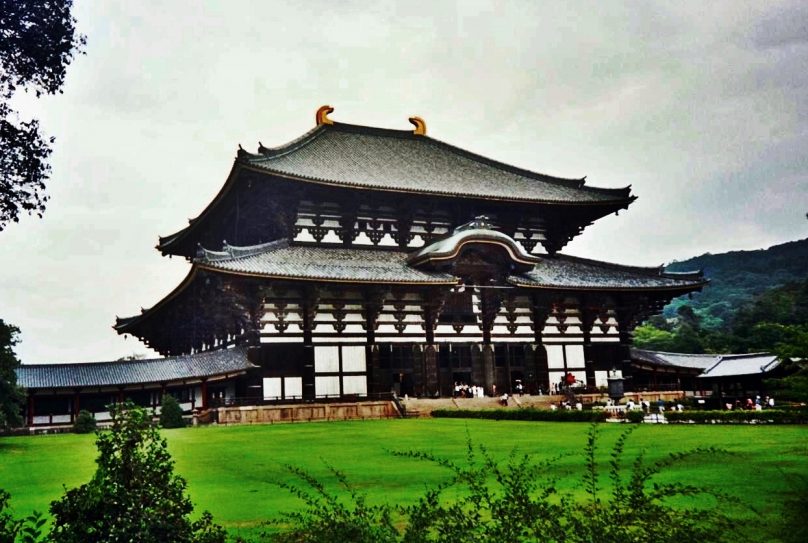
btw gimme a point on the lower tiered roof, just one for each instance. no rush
(283, 262)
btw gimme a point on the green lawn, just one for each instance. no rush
(232, 471)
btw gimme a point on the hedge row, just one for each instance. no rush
(522, 414)
(772, 416)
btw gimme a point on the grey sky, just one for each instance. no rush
(701, 107)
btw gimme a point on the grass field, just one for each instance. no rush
(233, 471)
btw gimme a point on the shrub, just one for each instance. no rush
(531, 414)
(520, 501)
(85, 422)
(171, 413)
(635, 415)
(774, 416)
(134, 494)
(27, 530)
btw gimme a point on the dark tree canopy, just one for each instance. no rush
(10, 395)
(38, 40)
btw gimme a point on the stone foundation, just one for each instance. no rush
(270, 414)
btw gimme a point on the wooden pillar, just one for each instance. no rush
(490, 303)
(31, 407)
(488, 367)
(540, 313)
(76, 405)
(588, 317)
(418, 388)
(626, 313)
(431, 370)
(309, 306)
(433, 305)
(204, 393)
(372, 306)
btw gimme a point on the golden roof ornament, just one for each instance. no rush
(322, 115)
(420, 126)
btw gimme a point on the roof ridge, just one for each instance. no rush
(656, 271)
(234, 252)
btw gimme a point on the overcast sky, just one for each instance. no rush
(701, 107)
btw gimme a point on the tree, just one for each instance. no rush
(171, 413)
(134, 494)
(38, 40)
(11, 397)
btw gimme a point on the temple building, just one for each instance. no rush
(355, 261)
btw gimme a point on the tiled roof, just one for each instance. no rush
(562, 271)
(478, 231)
(677, 360)
(281, 260)
(712, 365)
(133, 372)
(742, 364)
(398, 160)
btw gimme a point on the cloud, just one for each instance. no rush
(700, 107)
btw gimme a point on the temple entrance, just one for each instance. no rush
(403, 384)
(455, 366)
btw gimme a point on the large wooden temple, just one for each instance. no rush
(361, 260)
(357, 260)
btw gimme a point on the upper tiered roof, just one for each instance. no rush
(387, 162)
(402, 161)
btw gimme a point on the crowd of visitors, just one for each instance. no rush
(462, 390)
(757, 404)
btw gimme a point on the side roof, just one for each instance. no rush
(134, 372)
(711, 365)
(732, 365)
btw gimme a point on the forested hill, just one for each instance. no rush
(738, 277)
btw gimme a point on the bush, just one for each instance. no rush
(635, 416)
(85, 422)
(531, 414)
(520, 501)
(773, 416)
(134, 494)
(171, 413)
(27, 530)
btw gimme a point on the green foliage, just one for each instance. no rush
(328, 518)
(171, 413)
(11, 397)
(562, 415)
(519, 501)
(85, 423)
(769, 416)
(27, 530)
(738, 277)
(775, 321)
(635, 416)
(37, 42)
(795, 386)
(134, 494)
